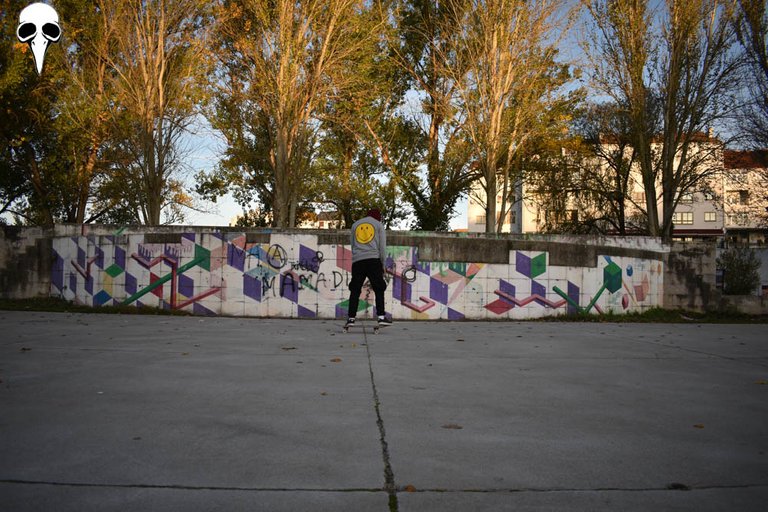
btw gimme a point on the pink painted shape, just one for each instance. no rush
(85, 272)
(528, 300)
(428, 304)
(344, 258)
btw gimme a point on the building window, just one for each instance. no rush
(682, 218)
(738, 197)
(686, 198)
(743, 197)
(709, 196)
(710, 217)
(480, 219)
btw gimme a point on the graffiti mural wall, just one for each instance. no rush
(293, 275)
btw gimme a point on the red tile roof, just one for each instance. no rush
(745, 159)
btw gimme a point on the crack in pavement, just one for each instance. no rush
(190, 487)
(750, 360)
(389, 475)
(668, 488)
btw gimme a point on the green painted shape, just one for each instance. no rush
(202, 258)
(574, 304)
(458, 267)
(612, 277)
(594, 300)
(113, 270)
(139, 294)
(538, 265)
(362, 305)
(566, 297)
(398, 250)
(204, 255)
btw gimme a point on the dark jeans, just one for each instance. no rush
(372, 270)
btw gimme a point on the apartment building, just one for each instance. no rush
(731, 205)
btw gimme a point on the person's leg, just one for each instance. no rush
(379, 285)
(355, 287)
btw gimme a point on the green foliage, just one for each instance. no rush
(740, 268)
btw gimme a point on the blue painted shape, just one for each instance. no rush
(101, 298)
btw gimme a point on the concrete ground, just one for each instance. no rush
(145, 413)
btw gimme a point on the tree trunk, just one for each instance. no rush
(491, 188)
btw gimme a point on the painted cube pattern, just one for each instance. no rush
(292, 275)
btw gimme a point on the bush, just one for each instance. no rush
(740, 271)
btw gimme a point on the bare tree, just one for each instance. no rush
(282, 61)
(159, 62)
(752, 30)
(607, 195)
(508, 77)
(423, 46)
(674, 73)
(87, 104)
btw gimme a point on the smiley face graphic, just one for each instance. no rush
(364, 233)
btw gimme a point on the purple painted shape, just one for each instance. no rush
(130, 284)
(401, 290)
(171, 251)
(523, 264)
(455, 315)
(306, 313)
(120, 257)
(507, 288)
(99, 258)
(308, 258)
(199, 309)
(438, 291)
(289, 286)
(186, 285)
(540, 290)
(397, 286)
(81, 257)
(422, 267)
(235, 257)
(72, 283)
(341, 312)
(188, 236)
(252, 287)
(89, 285)
(57, 271)
(573, 294)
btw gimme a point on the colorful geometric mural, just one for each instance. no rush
(213, 273)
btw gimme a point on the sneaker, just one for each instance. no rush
(383, 320)
(350, 322)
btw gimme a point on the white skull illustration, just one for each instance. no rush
(38, 26)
